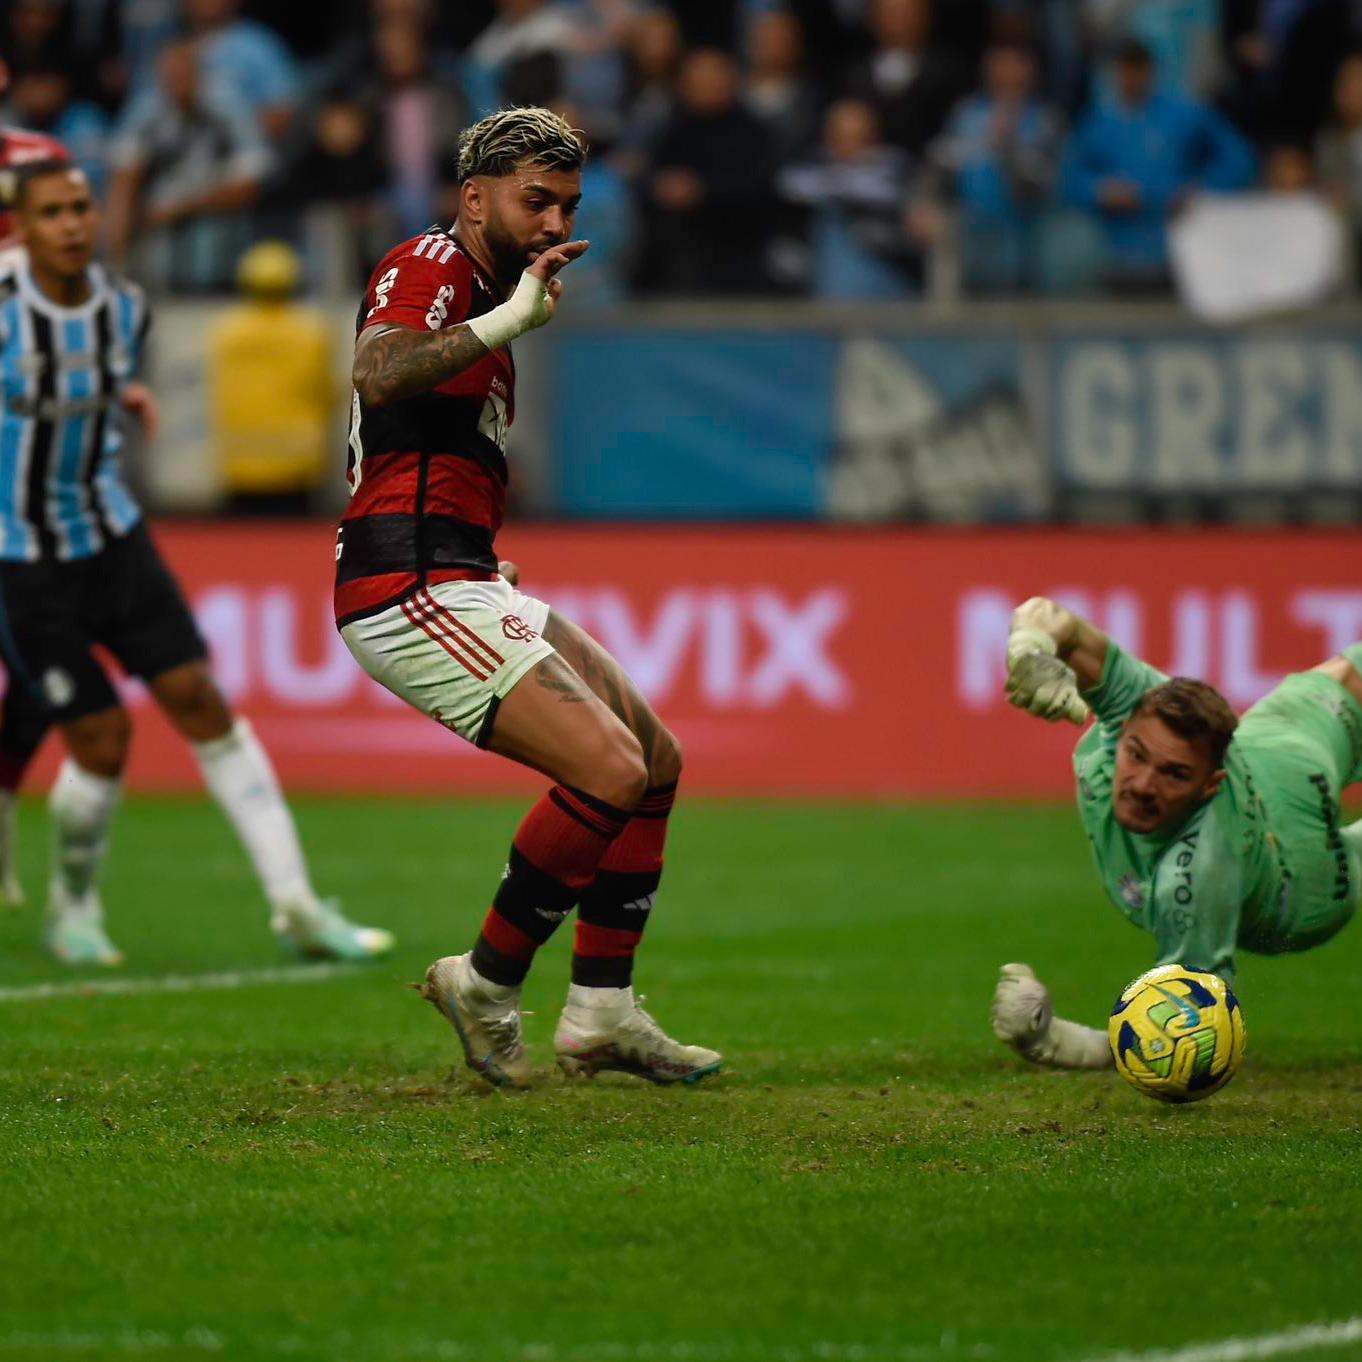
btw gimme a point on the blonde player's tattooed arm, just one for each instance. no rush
(393, 362)
(1077, 642)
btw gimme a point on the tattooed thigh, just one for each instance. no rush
(554, 674)
(607, 680)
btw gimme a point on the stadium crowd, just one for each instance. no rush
(830, 148)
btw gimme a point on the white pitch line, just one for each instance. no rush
(178, 983)
(1306, 1338)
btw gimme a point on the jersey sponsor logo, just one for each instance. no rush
(515, 628)
(1182, 862)
(118, 356)
(1328, 810)
(57, 408)
(381, 291)
(439, 307)
(493, 421)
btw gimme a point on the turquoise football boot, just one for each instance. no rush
(320, 931)
(74, 933)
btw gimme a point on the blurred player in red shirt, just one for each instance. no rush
(19, 148)
(423, 607)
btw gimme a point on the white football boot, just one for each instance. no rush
(320, 931)
(597, 1033)
(74, 932)
(486, 1017)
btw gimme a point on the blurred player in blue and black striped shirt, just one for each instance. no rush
(79, 570)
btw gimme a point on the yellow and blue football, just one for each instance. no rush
(1177, 1034)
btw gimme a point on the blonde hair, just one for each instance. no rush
(500, 143)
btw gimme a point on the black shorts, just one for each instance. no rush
(53, 615)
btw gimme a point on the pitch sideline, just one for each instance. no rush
(179, 983)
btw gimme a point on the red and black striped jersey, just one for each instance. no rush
(19, 148)
(427, 473)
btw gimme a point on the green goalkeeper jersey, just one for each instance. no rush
(1260, 865)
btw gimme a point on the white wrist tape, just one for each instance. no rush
(526, 309)
(1067, 1045)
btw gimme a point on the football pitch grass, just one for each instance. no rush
(305, 1171)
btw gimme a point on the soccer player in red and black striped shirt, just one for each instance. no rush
(422, 605)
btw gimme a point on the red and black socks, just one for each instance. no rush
(554, 858)
(613, 911)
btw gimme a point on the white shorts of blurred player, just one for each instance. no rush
(454, 651)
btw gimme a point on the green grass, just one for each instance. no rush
(300, 1172)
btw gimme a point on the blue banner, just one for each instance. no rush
(948, 426)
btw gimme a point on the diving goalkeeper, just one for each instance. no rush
(1212, 833)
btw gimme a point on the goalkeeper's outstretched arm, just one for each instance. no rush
(1052, 655)
(1024, 1018)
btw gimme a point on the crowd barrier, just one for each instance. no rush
(790, 662)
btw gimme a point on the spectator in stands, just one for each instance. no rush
(272, 389)
(416, 115)
(1288, 168)
(654, 52)
(911, 85)
(522, 28)
(607, 219)
(1338, 150)
(835, 32)
(144, 29)
(777, 89)
(1133, 163)
(855, 192)
(1284, 54)
(998, 160)
(188, 164)
(713, 23)
(1183, 36)
(40, 101)
(341, 168)
(709, 199)
(594, 70)
(37, 35)
(246, 58)
(98, 31)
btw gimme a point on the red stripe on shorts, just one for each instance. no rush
(411, 610)
(443, 621)
(473, 640)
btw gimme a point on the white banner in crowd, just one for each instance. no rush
(1239, 256)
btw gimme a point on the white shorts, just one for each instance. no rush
(454, 650)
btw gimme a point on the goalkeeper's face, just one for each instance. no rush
(1161, 778)
(523, 214)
